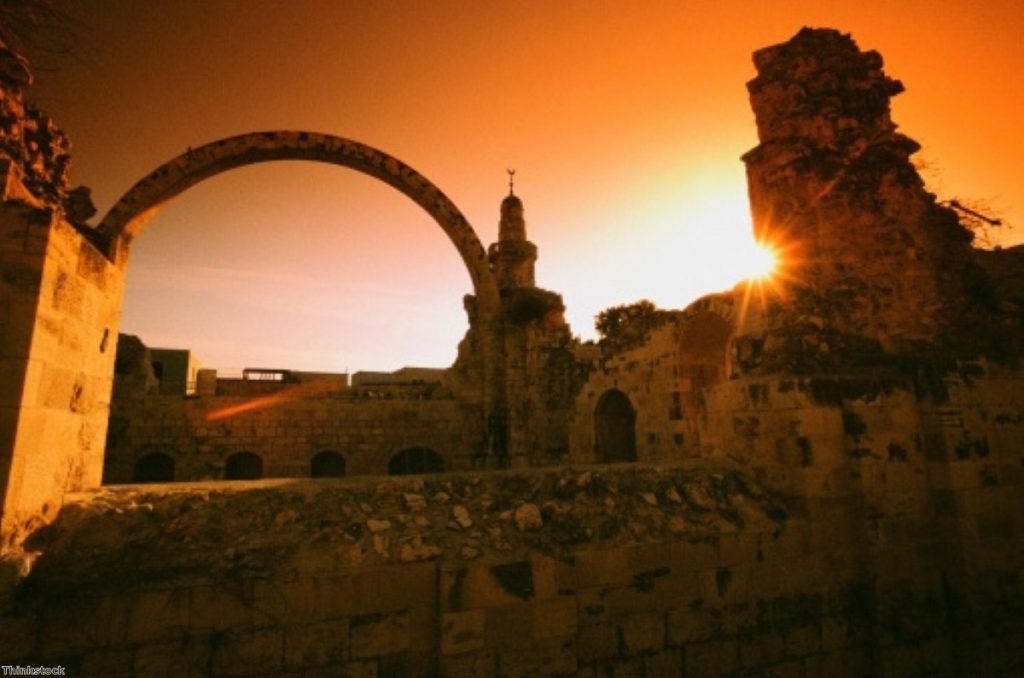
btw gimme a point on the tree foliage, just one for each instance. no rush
(528, 304)
(624, 326)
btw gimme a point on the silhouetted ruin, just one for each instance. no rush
(818, 475)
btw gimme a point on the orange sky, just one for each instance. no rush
(624, 120)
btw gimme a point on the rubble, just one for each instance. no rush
(124, 535)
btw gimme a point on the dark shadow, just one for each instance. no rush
(614, 428)
(154, 467)
(415, 460)
(327, 464)
(243, 466)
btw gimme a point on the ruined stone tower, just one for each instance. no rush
(513, 256)
(872, 264)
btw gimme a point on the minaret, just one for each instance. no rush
(513, 256)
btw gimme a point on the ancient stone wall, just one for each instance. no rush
(925, 476)
(652, 571)
(59, 313)
(664, 378)
(286, 427)
(506, 574)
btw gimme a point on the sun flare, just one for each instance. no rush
(761, 263)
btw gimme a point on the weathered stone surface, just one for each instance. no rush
(838, 521)
(185, 531)
(873, 265)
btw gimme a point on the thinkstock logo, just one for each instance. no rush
(32, 670)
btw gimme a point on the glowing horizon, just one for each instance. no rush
(625, 126)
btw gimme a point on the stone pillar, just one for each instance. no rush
(59, 313)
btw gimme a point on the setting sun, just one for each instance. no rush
(761, 262)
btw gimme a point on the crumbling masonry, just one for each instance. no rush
(822, 477)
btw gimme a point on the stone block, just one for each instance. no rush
(738, 549)
(423, 629)
(591, 607)
(652, 595)
(249, 653)
(655, 557)
(761, 650)
(679, 589)
(294, 602)
(939, 657)
(689, 625)
(642, 633)
(597, 641)
(215, 608)
(408, 586)
(421, 664)
(565, 576)
(555, 618)
(558, 659)
(189, 657)
(824, 664)
(713, 658)
(360, 592)
(462, 632)
(789, 669)
(833, 634)
(375, 635)
(352, 669)
(802, 641)
(469, 666)
(484, 586)
(744, 618)
(601, 568)
(666, 663)
(694, 555)
(316, 645)
(158, 615)
(764, 581)
(902, 660)
(509, 626)
(545, 577)
(106, 662)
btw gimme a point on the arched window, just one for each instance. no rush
(614, 428)
(327, 464)
(155, 467)
(243, 466)
(415, 460)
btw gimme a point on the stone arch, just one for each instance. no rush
(243, 466)
(141, 202)
(415, 460)
(614, 428)
(155, 467)
(327, 464)
(722, 305)
(707, 329)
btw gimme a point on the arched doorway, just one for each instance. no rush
(243, 466)
(327, 464)
(155, 467)
(415, 460)
(614, 428)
